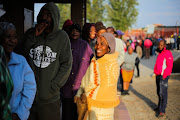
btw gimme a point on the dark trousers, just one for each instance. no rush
(147, 52)
(49, 111)
(172, 46)
(137, 67)
(69, 109)
(178, 42)
(169, 46)
(121, 81)
(162, 87)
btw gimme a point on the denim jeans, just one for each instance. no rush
(162, 86)
(175, 42)
(172, 46)
(153, 50)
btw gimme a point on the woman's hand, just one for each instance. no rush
(81, 108)
(75, 99)
(83, 98)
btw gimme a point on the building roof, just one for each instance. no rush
(168, 26)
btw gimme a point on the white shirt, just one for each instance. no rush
(119, 47)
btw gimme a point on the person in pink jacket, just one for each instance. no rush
(162, 69)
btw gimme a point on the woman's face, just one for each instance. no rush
(9, 40)
(101, 47)
(92, 32)
(75, 34)
(99, 33)
(128, 43)
(130, 50)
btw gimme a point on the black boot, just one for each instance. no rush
(127, 92)
(124, 92)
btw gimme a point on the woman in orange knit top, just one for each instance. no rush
(99, 84)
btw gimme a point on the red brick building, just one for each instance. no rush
(166, 30)
(158, 30)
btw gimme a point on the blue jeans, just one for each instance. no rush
(175, 42)
(162, 86)
(172, 46)
(153, 50)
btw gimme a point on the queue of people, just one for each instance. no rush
(75, 68)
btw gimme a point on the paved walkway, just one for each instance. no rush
(121, 112)
(143, 99)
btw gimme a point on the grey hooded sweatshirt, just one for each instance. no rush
(49, 56)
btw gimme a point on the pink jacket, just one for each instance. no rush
(164, 63)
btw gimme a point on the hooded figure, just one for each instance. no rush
(47, 50)
(99, 84)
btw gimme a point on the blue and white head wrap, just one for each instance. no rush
(5, 26)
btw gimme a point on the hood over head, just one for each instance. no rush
(110, 40)
(55, 14)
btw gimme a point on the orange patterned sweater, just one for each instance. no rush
(100, 82)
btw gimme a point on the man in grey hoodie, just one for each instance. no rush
(48, 52)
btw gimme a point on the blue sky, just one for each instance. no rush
(37, 8)
(166, 12)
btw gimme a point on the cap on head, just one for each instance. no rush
(75, 26)
(120, 32)
(67, 23)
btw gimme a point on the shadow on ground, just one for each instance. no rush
(151, 104)
(176, 66)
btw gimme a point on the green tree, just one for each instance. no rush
(95, 9)
(65, 13)
(122, 13)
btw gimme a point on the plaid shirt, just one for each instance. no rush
(6, 87)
